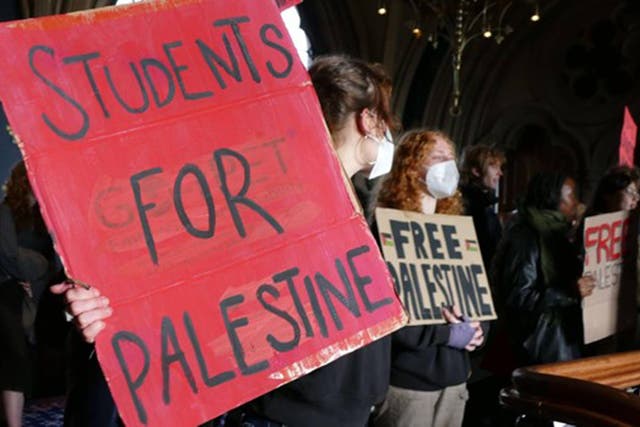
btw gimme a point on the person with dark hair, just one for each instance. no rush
(537, 275)
(355, 101)
(617, 190)
(23, 279)
(480, 177)
(429, 364)
(25, 244)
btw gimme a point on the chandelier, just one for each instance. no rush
(459, 22)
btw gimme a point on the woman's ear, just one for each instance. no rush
(476, 173)
(367, 122)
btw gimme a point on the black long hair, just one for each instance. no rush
(545, 190)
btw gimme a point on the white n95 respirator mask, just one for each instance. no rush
(442, 179)
(384, 159)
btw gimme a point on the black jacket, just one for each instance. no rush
(479, 203)
(339, 394)
(544, 321)
(421, 359)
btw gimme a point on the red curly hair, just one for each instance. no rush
(404, 187)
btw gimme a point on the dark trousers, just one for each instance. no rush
(89, 401)
(15, 357)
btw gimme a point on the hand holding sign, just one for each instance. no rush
(605, 309)
(478, 338)
(586, 285)
(88, 308)
(470, 334)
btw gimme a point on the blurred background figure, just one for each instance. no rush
(480, 184)
(25, 245)
(617, 190)
(481, 172)
(25, 271)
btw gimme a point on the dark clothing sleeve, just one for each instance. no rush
(20, 262)
(422, 360)
(416, 338)
(8, 243)
(486, 327)
(525, 288)
(419, 338)
(479, 203)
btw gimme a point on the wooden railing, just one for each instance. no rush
(585, 392)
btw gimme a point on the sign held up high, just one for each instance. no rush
(181, 161)
(435, 261)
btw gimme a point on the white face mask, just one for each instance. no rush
(384, 158)
(442, 179)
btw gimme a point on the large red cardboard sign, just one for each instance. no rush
(180, 158)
